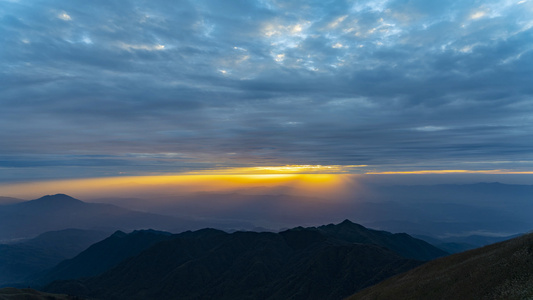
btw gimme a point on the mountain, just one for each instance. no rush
(9, 200)
(56, 212)
(19, 261)
(22, 259)
(401, 243)
(31, 294)
(67, 242)
(299, 263)
(498, 271)
(103, 255)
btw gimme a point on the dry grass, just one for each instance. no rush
(31, 294)
(499, 271)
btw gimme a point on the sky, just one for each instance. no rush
(92, 89)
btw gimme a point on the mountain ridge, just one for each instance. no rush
(22, 259)
(55, 212)
(210, 263)
(102, 255)
(9, 200)
(54, 199)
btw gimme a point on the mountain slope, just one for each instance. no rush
(31, 294)
(67, 242)
(498, 271)
(56, 212)
(19, 260)
(9, 200)
(103, 255)
(300, 263)
(401, 243)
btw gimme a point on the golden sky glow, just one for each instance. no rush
(452, 172)
(306, 180)
(333, 181)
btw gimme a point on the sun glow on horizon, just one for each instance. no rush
(300, 180)
(327, 181)
(495, 172)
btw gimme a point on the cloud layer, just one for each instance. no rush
(101, 88)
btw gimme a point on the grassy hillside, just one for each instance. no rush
(499, 271)
(31, 294)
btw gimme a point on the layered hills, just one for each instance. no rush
(102, 256)
(56, 212)
(22, 259)
(9, 200)
(498, 271)
(327, 262)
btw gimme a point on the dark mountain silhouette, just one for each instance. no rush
(498, 271)
(300, 263)
(19, 260)
(103, 255)
(401, 243)
(10, 293)
(49, 213)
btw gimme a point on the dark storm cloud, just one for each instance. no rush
(390, 84)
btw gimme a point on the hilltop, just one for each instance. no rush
(498, 271)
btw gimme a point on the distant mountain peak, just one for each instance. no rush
(347, 222)
(61, 197)
(402, 244)
(53, 202)
(300, 228)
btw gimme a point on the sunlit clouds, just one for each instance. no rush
(128, 47)
(287, 169)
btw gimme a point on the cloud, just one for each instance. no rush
(64, 16)
(383, 84)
